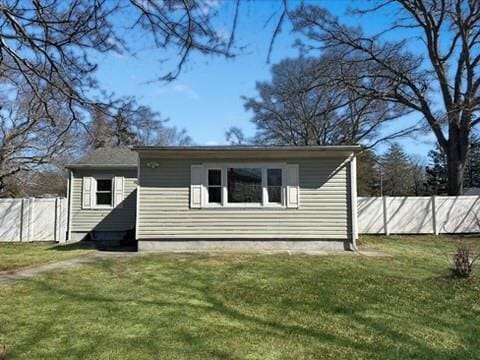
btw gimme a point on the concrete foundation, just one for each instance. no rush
(239, 245)
(77, 236)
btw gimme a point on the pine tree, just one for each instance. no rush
(397, 172)
(437, 171)
(368, 179)
(472, 168)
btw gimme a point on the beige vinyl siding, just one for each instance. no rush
(164, 211)
(118, 219)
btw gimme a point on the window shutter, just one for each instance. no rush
(292, 186)
(87, 192)
(196, 172)
(118, 189)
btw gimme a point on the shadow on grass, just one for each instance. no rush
(177, 293)
(97, 245)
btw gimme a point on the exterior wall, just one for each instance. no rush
(164, 211)
(119, 219)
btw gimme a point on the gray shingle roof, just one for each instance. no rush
(108, 157)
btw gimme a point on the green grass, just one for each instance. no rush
(14, 256)
(239, 306)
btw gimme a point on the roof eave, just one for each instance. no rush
(101, 166)
(332, 148)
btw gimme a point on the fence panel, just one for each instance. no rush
(10, 219)
(458, 214)
(419, 215)
(409, 215)
(370, 215)
(33, 219)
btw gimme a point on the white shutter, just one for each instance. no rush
(87, 192)
(118, 189)
(292, 186)
(196, 173)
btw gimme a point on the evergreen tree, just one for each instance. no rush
(472, 168)
(437, 171)
(368, 176)
(397, 172)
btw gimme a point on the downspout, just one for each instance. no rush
(69, 202)
(137, 200)
(353, 201)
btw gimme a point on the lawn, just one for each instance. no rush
(246, 306)
(18, 255)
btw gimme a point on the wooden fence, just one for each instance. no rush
(419, 215)
(33, 219)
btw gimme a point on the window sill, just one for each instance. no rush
(97, 207)
(244, 207)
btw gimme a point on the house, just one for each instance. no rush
(102, 193)
(210, 197)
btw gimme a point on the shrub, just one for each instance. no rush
(463, 262)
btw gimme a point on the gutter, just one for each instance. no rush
(101, 166)
(240, 148)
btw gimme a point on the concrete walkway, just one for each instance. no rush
(62, 265)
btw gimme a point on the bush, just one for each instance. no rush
(463, 262)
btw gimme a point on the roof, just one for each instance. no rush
(228, 148)
(245, 152)
(108, 157)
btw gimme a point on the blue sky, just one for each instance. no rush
(206, 98)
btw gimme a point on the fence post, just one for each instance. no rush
(55, 231)
(22, 219)
(434, 215)
(26, 220)
(385, 216)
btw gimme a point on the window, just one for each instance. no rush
(215, 186)
(244, 185)
(103, 192)
(274, 185)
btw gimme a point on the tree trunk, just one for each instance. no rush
(457, 151)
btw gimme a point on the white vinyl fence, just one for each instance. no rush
(419, 215)
(33, 219)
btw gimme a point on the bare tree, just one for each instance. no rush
(446, 62)
(235, 136)
(132, 124)
(47, 53)
(31, 136)
(306, 104)
(52, 42)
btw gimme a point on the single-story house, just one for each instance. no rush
(210, 197)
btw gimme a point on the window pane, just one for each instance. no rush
(244, 185)
(275, 194)
(104, 185)
(215, 177)
(215, 195)
(104, 198)
(274, 177)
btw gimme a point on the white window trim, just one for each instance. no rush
(94, 191)
(224, 199)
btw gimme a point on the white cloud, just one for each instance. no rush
(211, 143)
(180, 89)
(186, 90)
